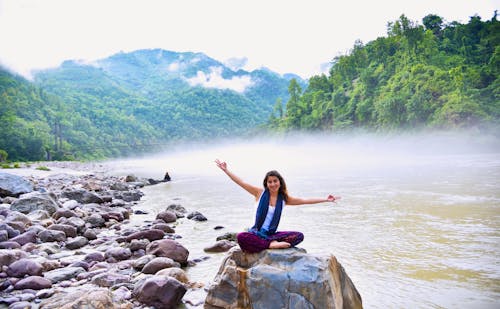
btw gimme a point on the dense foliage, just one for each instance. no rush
(129, 103)
(431, 75)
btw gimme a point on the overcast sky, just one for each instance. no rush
(283, 35)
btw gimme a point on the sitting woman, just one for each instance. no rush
(271, 199)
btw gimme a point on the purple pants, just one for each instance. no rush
(252, 243)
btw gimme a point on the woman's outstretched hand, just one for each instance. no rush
(332, 198)
(221, 165)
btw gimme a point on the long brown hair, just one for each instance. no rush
(282, 190)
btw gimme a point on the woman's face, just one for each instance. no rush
(273, 183)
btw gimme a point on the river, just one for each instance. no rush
(418, 224)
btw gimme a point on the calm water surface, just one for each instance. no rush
(418, 224)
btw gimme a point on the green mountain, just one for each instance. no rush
(435, 75)
(131, 103)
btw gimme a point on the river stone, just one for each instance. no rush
(33, 283)
(109, 279)
(118, 254)
(90, 234)
(24, 267)
(76, 222)
(220, 246)
(196, 216)
(38, 215)
(151, 235)
(18, 216)
(298, 280)
(76, 243)
(96, 220)
(9, 245)
(139, 244)
(159, 263)
(69, 230)
(62, 274)
(51, 235)
(64, 213)
(10, 231)
(179, 210)
(94, 257)
(164, 227)
(167, 216)
(82, 196)
(160, 292)
(34, 201)
(174, 272)
(27, 237)
(13, 185)
(169, 248)
(17, 225)
(4, 235)
(139, 263)
(99, 298)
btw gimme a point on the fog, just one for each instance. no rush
(295, 154)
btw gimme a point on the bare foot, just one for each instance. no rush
(279, 245)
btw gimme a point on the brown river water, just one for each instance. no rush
(418, 225)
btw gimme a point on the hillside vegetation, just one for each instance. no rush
(435, 75)
(131, 103)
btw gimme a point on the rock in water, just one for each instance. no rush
(286, 278)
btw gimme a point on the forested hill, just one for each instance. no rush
(131, 103)
(433, 74)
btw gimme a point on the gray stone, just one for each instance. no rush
(82, 196)
(13, 185)
(35, 201)
(51, 235)
(76, 243)
(298, 280)
(196, 216)
(62, 274)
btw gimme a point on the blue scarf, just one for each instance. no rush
(261, 214)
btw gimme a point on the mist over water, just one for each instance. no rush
(418, 224)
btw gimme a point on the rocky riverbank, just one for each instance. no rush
(66, 241)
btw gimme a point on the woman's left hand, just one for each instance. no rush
(332, 198)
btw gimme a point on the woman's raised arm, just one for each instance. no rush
(253, 190)
(292, 201)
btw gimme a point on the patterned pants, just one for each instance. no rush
(252, 243)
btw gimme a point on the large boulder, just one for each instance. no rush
(281, 278)
(13, 185)
(35, 201)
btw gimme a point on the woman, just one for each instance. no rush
(271, 199)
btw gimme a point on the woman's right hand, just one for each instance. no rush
(221, 165)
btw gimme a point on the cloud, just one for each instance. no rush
(174, 66)
(236, 63)
(214, 79)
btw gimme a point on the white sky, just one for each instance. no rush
(283, 35)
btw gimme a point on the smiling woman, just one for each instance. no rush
(271, 199)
